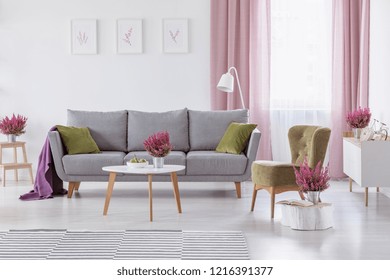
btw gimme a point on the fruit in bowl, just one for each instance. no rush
(137, 162)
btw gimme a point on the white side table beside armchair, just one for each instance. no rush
(315, 217)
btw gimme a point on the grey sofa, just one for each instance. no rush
(120, 135)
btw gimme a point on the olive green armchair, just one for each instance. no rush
(277, 177)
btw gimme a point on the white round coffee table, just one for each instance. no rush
(148, 170)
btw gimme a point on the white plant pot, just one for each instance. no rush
(158, 162)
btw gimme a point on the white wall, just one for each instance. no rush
(379, 101)
(40, 79)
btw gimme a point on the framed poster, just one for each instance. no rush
(129, 36)
(175, 35)
(84, 36)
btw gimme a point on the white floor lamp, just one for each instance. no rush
(226, 83)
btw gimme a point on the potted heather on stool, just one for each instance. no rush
(13, 126)
(158, 146)
(312, 181)
(358, 119)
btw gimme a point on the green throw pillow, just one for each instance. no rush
(235, 138)
(77, 140)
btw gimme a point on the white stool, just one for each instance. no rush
(316, 217)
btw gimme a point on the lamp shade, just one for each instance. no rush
(226, 83)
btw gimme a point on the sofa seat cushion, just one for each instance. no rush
(108, 129)
(91, 164)
(143, 124)
(174, 157)
(214, 163)
(208, 127)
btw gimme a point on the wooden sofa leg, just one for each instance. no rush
(77, 186)
(71, 187)
(238, 189)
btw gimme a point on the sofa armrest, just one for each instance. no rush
(253, 145)
(58, 151)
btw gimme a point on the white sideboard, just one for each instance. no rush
(367, 163)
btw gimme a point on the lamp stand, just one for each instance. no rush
(239, 86)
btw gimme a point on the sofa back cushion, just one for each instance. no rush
(208, 127)
(143, 124)
(108, 129)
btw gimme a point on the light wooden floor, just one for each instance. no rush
(359, 232)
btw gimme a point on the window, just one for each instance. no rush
(301, 59)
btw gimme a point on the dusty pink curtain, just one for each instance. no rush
(351, 23)
(240, 37)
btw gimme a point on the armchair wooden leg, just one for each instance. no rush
(366, 196)
(238, 189)
(272, 202)
(254, 198)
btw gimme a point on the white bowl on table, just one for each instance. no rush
(136, 164)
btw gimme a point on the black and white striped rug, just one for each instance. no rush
(123, 244)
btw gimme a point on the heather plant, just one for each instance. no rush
(359, 118)
(14, 125)
(312, 179)
(158, 144)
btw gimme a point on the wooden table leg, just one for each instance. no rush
(366, 196)
(150, 177)
(16, 161)
(25, 161)
(31, 175)
(176, 190)
(110, 187)
(350, 185)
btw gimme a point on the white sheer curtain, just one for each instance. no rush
(301, 57)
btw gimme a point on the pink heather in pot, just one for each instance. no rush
(309, 179)
(14, 125)
(359, 118)
(158, 145)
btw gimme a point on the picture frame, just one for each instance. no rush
(84, 36)
(129, 36)
(175, 35)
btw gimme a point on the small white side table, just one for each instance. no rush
(316, 217)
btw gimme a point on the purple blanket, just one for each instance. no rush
(47, 183)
